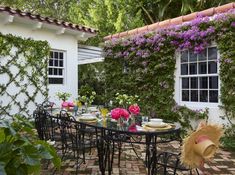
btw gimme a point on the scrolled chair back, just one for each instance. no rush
(43, 123)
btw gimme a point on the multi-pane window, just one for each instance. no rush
(56, 67)
(199, 76)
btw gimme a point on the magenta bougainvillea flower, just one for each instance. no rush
(192, 35)
(233, 24)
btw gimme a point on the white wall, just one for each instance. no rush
(215, 112)
(65, 42)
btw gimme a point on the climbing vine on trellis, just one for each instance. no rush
(23, 73)
(144, 65)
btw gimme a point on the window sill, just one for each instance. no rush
(199, 104)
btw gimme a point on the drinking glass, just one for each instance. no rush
(145, 119)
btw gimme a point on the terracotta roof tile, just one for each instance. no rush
(37, 17)
(175, 21)
(142, 29)
(224, 8)
(123, 34)
(207, 12)
(132, 32)
(189, 17)
(153, 26)
(164, 23)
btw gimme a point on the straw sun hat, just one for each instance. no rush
(201, 145)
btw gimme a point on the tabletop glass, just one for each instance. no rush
(137, 127)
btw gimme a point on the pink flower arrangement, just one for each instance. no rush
(134, 109)
(132, 128)
(119, 112)
(67, 104)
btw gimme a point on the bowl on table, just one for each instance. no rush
(156, 123)
(156, 120)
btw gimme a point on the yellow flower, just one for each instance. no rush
(104, 111)
(79, 104)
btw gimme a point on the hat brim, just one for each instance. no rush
(188, 155)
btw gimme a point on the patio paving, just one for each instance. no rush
(222, 164)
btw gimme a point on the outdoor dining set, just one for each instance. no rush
(77, 135)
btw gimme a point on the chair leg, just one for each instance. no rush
(165, 162)
(119, 153)
(197, 171)
(176, 165)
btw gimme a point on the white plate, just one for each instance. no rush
(156, 125)
(90, 117)
(87, 115)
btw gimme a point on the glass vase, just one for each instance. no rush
(120, 123)
(132, 119)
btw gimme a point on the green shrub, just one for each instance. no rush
(228, 141)
(20, 149)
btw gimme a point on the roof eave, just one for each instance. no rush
(44, 22)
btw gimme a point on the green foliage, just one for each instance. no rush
(107, 16)
(93, 76)
(26, 57)
(226, 47)
(228, 141)
(86, 95)
(125, 100)
(50, 8)
(21, 151)
(64, 96)
(147, 83)
(184, 115)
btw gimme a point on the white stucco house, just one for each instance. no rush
(63, 38)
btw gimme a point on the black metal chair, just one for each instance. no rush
(74, 137)
(48, 105)
(71, 139)
(44, 124)
(168, 162)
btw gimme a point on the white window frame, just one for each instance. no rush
(198, 103)
(63, 68)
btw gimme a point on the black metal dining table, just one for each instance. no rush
(110, 135)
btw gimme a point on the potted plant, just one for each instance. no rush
(63, 96)
(86, 96)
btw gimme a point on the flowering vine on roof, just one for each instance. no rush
(195, 35)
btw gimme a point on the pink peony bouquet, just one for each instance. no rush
(119, 112)
(134, 109)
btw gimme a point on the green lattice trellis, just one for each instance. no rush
(23, 73)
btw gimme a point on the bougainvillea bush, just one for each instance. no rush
(144, 65)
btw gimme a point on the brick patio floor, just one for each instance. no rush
(222, 164)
